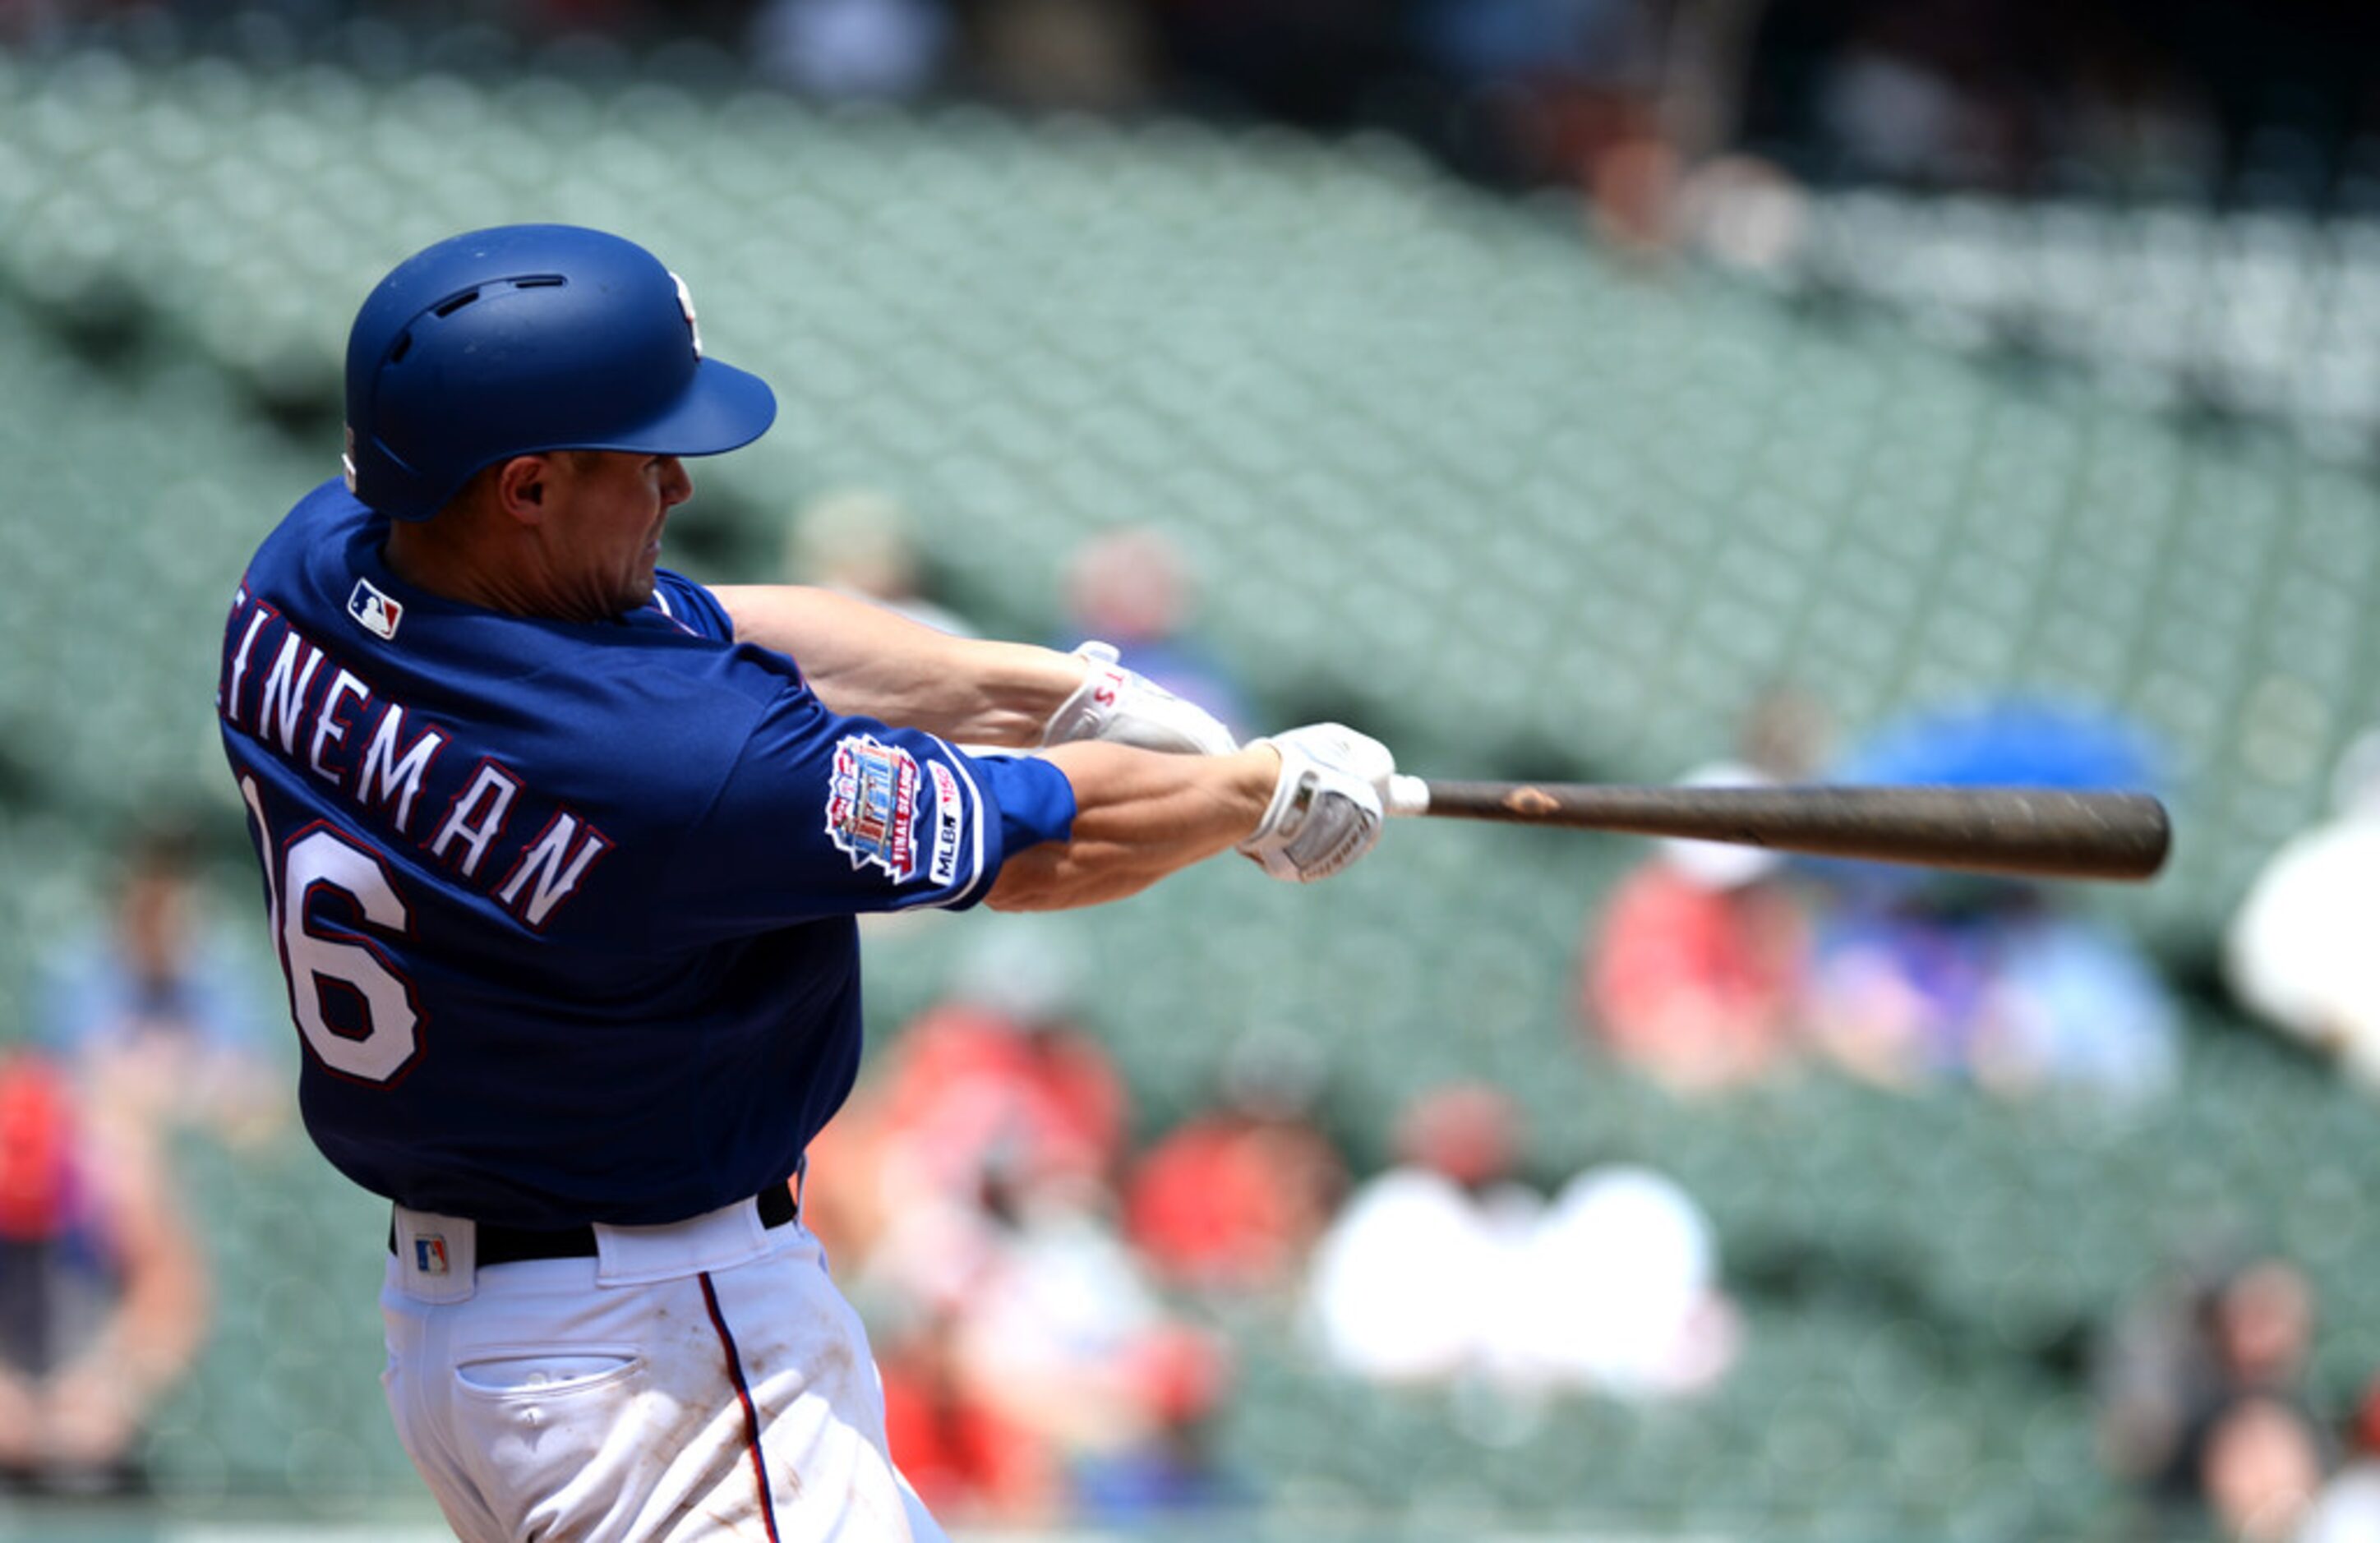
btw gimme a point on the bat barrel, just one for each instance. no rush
(2036, 833)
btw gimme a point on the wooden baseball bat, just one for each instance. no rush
(2031, 832)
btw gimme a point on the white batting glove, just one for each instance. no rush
(1325, 809)
(1336, 745)
(1126, 708)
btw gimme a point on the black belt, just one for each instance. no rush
(512, 1244)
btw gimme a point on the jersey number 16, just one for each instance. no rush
(382, 1032)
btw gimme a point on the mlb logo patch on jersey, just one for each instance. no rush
(429, 1254)
(871, 806)
(373, 611)
(948, 831)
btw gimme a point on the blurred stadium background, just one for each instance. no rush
(1527, 476)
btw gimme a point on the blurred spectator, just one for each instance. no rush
(1234, 1198)
(2296, 952)
(969, 1461)
(1919, 976)
(1745, 213)
(2261, 1469)
(1953, 977)
(1133, 588)
(994, 1077)
(844, 1196)
(1898, 108)
(2347, 1509)
(1078, 56)
(1055, 1331)
(1618, 1290)
(972, 1192)
(1407, 1284)
(841, 49)
(152, 1014)
(1611, 44)
(1446, 1267)
(999, 1071)
(1567, 92)
(2202, 1397)
(1695, 970)
(1063, 1307)
(859, 542)
(103, 1293)
(1029, 1361)
(1185, 1376)
(1620, 97)
(1785, 736)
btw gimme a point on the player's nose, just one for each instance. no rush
(677, 483)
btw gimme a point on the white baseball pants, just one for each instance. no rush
(697, 1382)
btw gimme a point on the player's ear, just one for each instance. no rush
(522, 485)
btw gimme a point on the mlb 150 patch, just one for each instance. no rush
(872, 807)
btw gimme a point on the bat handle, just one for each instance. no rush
(1408, 794)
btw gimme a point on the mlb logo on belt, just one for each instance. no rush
(429, 1254)
(872, 805)
(373, 611)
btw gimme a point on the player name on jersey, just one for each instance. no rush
(403, 774)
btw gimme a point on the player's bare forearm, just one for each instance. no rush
(864, 661)
(1139, 815)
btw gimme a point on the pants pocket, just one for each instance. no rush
(557, 1373)
(541, 1431)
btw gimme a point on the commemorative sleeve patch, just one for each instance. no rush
(872, 807)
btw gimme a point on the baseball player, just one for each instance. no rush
(563, 852)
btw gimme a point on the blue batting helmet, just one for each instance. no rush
(526, 338)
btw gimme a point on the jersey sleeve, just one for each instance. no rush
(691, 604)
(823, 815)
(1037, 802)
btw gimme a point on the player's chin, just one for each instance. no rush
(636, 588)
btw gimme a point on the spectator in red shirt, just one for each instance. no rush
(1233, 1199)
(967, 1459)
(104, 1296)
(1694, 972)
(999, 1069)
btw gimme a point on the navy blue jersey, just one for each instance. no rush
(567, 908)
